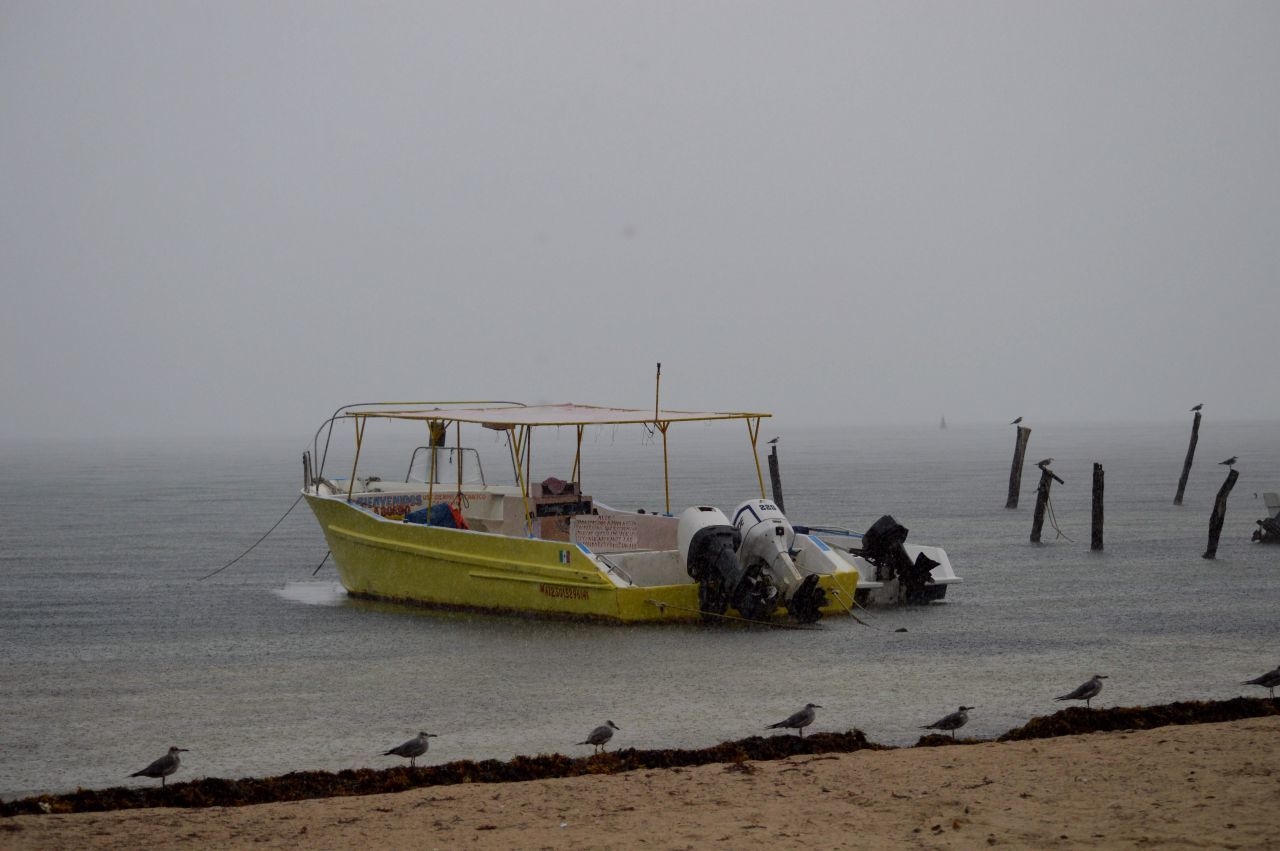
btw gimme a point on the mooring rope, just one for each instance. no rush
(1053, 521)
(255, 543)
(775, 624)
(322, 561)
(838, 594)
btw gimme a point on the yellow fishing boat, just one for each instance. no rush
(549, 548)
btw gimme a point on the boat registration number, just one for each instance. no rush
(563, 591)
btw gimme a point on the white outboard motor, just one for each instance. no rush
(765, 552)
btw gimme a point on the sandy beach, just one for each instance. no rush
(1194, 786)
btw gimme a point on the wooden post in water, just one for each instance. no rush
(775, 478)
(1219, 513)
(1191, 454)
(1015, 474)
(1096, 542)
(1042, 501)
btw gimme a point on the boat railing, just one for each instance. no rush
(613, 567)
(454, 452)
(830, 530)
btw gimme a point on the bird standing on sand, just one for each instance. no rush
(1230, 462)
(798, 720)
(1087, 691)
(1015, 422)
(952, 722)
(162, 767)
(413, 748)
(601, 735)
(1268, 681)
(1198, 407)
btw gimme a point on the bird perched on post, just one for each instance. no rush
(1086, 692)
(1230, 462)
(600, 736)
(1268, 681)
(1015, 422)
(164, 766)
(413, 748)
(1044, 462)
(774, 440)
(1198, 407)
(798, 720)
(952, 722)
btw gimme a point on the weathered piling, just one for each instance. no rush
(1096, 539)
(1015, 474)
(1191, 454)
(1219, 513)
(775, 478)
(1042, 501)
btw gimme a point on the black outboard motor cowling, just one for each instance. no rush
(713, 549)
(708, 545)
(882, 545)
(915, 577)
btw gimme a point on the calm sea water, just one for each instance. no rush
(113, 650)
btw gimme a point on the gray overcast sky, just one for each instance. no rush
(235, 216)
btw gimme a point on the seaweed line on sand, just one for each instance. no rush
(299, 785)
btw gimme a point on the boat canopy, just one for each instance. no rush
(519, 420)
(504, 417)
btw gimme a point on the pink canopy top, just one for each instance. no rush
(505, 416)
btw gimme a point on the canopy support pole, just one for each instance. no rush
(519, 448)
(576, 476)
(666, 477)
(351, 485)
(753, 430)
(457, 462)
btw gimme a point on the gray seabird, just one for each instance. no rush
(1198, 407)
(600, 736)
(1015, 422)
(413, 748)
(1087, 691)
(1045, 462)
(162, 767)
(1230, 462)
(1268, 681)
(952, 722)
(798, 720)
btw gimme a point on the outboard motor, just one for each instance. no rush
(708, 547)
(882, 545)
(765, 553)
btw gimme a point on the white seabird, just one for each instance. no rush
(952, 722)
(798, 720)
(162, 767)
(600, 736)
(1086, 692)
(413, 748)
